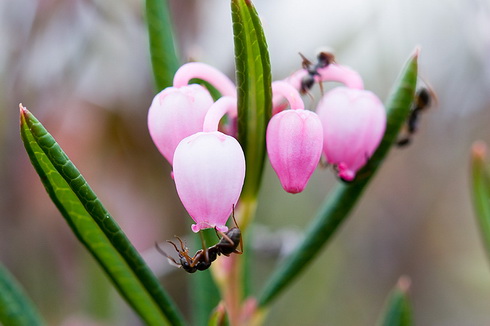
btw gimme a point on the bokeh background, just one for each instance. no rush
(82, 67)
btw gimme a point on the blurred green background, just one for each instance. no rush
(82, 67)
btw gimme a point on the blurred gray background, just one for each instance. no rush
(82, 67)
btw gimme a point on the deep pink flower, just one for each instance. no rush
(353, 122)
(294, 145)
(209, 170)
(294, 141)
(176, 113)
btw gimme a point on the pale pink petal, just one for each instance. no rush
(176, 113)
(209, 170)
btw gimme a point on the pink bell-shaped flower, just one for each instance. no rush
(354, 122)
(179, 111)
(209, 170)
(294, 145)
(176, 113)
(294, 141)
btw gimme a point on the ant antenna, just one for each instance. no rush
(306, 63)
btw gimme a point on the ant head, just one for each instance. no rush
(424, 97)
(186, 266)
(325, 58)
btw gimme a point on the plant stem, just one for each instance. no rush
(229, 273)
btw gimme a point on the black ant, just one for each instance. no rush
(324, 59)
(203, 258)
(422, 102)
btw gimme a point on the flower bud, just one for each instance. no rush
(353, 123)
(176, 113)
(294, 146)
(209, 170)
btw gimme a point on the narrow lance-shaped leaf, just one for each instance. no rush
(339, 204)
(481, 191)
(16, 309)
(94, 227)
(253, 77)
(164, 58)
(397, 311)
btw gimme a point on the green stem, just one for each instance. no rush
(481, 192)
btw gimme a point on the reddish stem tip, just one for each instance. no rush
(479, 150)
(404, 283)
(416, 52)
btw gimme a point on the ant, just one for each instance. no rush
(324, 59)
(203, 258)
(422, 102)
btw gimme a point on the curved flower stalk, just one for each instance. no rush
(179, 111)
(294, 140)
(354, 122)
(209, 170)
(205, 72)
(332, 72)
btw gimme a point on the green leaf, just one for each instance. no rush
(253, 77)
(94, 227)
(397, 311)
(481, 191)
(164, 58)
(16, 309)
(218, 317)
(339, 204)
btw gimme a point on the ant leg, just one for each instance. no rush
(197, 257)
(233, 214)
(204, 248)
(236, 224)
(310, 96)
(227, 238)
(321, 87)
(171, 259)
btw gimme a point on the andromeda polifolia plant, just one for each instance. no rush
(217, 147)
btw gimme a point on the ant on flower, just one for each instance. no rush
(203, 258)
(423, 100)
(324, 59)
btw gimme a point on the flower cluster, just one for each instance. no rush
(209, 165)
(352, 124)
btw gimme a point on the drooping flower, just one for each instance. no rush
(353, 123)
(209, 170)
(294, 141)
(176, 113)
(179, 111)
